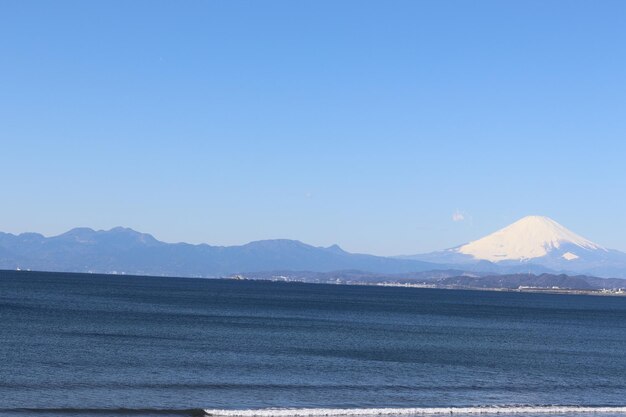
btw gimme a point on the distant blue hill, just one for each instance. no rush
(122, 250)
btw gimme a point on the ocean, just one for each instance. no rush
(96, 345)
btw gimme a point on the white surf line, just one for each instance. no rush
(315, 412)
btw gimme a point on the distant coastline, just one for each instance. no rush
(621, 292)
(535, 290)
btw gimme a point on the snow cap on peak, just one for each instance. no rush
(527, 238)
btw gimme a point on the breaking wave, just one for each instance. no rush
(421, 411)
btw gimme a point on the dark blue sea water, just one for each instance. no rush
(110, 345)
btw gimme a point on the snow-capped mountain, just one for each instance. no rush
(529, 238)
(535, 243)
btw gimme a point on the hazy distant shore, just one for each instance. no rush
(298, 278)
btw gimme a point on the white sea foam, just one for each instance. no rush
(314, 412)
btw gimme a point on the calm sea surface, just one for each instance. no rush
(110, 345)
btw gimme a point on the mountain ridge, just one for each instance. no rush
(124, 250)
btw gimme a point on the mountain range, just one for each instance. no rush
(533, 244)
(123, 250)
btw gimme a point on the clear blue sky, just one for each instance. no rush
(367, 124)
